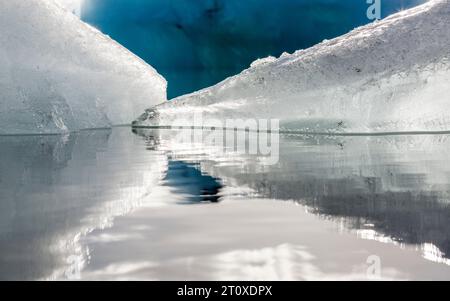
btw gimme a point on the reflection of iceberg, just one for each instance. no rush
(187, 180)
(283, 263)
(391, 75)
(58, 74)
(393, 189)
(56, 189)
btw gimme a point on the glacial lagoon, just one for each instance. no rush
(138, 205)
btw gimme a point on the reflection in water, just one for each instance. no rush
(75, 206)
(391, 189)
(188, 180)
(284, 262)
(56, 189)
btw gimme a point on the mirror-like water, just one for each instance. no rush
(114, 204)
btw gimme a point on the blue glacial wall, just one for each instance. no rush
(196, 43)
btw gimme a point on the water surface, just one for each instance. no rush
(116, 204)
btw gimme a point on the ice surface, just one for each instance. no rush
(59, 74)
(391, 75)
(72, 5)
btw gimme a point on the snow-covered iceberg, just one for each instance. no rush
(59, 74)
(391, 75)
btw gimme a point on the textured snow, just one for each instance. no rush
(59, 74)
(72, 5)
(391, 75)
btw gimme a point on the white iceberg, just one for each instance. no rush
(59, 74)
(391, 75)
(72, 5)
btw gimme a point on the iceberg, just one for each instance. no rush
(59, 74)
(389, 76)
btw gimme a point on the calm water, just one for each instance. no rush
(114, 204)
